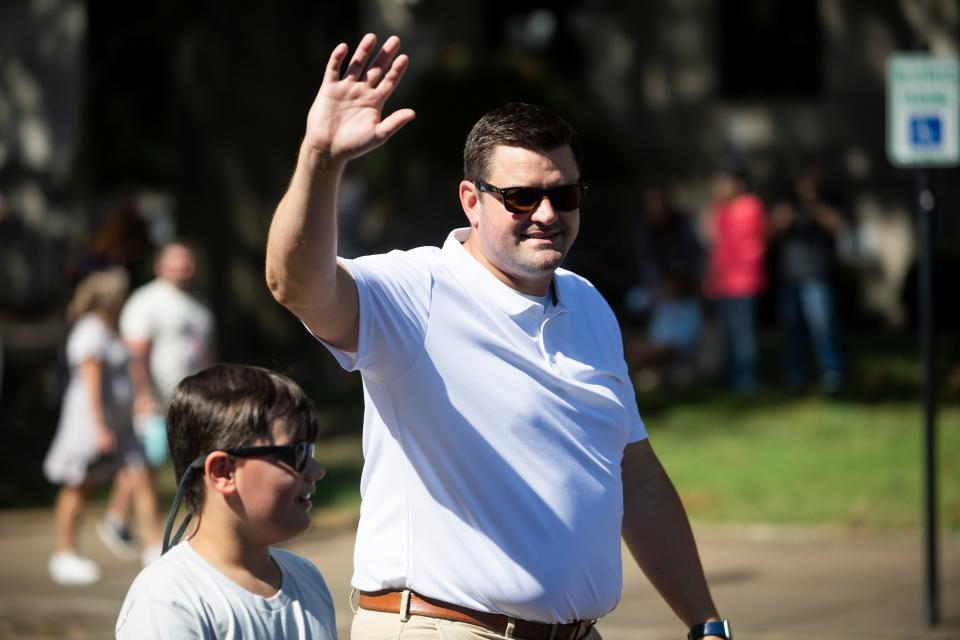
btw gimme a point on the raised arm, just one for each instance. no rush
(344, 122)
(657, 532)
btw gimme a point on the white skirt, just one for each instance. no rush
(73, 458)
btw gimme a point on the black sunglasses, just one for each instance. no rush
(524, 200)
(294, 455)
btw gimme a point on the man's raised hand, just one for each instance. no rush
(346, 120)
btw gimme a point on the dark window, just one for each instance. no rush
(769, 49)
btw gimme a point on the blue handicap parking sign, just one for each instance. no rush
(925, 131)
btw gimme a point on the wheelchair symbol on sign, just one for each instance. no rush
(925, 131)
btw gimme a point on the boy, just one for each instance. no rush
(241, 439)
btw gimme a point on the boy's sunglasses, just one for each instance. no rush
(294, 455)
(525, 200)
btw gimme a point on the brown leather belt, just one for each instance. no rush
(390, 602)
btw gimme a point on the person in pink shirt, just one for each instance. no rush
(735, 272)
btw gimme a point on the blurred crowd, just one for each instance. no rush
(129, 343)
(699, 284)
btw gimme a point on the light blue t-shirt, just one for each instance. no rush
(181, 595)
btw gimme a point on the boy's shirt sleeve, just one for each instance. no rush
(305, 583)
(146, 617)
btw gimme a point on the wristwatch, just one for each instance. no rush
(719, 628)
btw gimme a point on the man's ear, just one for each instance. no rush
(219, 469)
(470, 201)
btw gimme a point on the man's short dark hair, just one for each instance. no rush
(516, 124)
(228, 406)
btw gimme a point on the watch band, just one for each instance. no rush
(719, 628)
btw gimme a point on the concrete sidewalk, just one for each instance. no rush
(774, 584)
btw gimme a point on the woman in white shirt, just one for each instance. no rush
(94, 435)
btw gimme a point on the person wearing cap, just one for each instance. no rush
(504, 452)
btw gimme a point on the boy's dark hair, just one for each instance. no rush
(227, 406)
(516, 124)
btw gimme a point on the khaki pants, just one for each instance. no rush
(374, 625)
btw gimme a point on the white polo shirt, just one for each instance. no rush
(493, 435)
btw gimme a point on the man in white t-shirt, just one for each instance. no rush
(505, 455)
(169, 333)
(167, 329)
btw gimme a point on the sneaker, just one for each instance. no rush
(150, 554)
(70, 569)
(117, 539)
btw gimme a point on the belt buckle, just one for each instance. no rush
(583, 627)
(577, 630)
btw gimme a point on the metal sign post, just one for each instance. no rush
(925, 209)
(923, 131)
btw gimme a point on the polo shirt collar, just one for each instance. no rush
(476, 278)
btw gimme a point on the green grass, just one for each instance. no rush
(806, 461)
(854, 461)
(776, 459)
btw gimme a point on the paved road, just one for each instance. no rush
(775, 584)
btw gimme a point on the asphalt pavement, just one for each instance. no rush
(773, 583)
